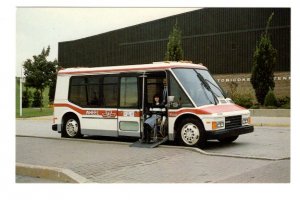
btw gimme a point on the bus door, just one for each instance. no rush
(129, 114)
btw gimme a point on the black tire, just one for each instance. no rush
(71, 127)
(191, 133)
(228, 140)
(148, 133)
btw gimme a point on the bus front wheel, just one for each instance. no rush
(191, 133)
(71, 127)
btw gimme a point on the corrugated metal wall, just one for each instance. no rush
(223, 39)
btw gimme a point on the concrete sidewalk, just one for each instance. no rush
(104, 162)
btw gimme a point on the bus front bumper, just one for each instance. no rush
(220, 134)
(54, 127)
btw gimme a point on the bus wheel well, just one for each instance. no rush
(68, 115)
(179, 120)
(70, 126)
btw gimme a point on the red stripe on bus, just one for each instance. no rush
(70, 106)
(137, 113)
(201, 111)
(207, 110)
(104, 113)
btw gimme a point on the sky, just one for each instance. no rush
(36, 28)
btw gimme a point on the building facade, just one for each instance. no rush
(222, 39)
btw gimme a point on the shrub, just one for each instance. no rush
(286, 106)
(243, 100)
(284, 102)
(270, 99)
(37, 99)
(26, 98)
(255, 106)
(232, 92)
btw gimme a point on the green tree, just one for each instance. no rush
(52, 85)
(264, 59)
(39, 72)
(174, 47)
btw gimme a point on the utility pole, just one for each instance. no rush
(21, 93)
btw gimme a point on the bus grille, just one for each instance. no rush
(233, 121)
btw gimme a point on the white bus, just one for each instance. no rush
(114, 101)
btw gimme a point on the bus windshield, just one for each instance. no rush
(202, 90)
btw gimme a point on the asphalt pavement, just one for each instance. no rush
(259, 157)
(262, 156)
(105, 162)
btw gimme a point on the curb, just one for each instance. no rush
(36, 118)
(270, 124)
(228, 155)
(52, 173)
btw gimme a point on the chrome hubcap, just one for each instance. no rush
(71, 127)
(190, 134)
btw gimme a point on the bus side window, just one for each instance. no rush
(154, 87)
(110, 90)
(179, 96)
(77, 93)
(93, 89)
(128, 92)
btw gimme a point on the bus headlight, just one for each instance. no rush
(217, 124)
(246, 120)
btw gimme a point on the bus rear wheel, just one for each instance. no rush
(191, 133)
(71, 128)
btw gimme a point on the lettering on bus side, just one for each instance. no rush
(109, 114)
(128, 114)
(91, 112)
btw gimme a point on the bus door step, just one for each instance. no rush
(149, 145)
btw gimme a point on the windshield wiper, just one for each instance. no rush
(206, 85)
(203, 88)
(222, 92)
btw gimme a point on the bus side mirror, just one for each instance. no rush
(170, 100)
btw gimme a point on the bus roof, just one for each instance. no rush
(157, 66)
